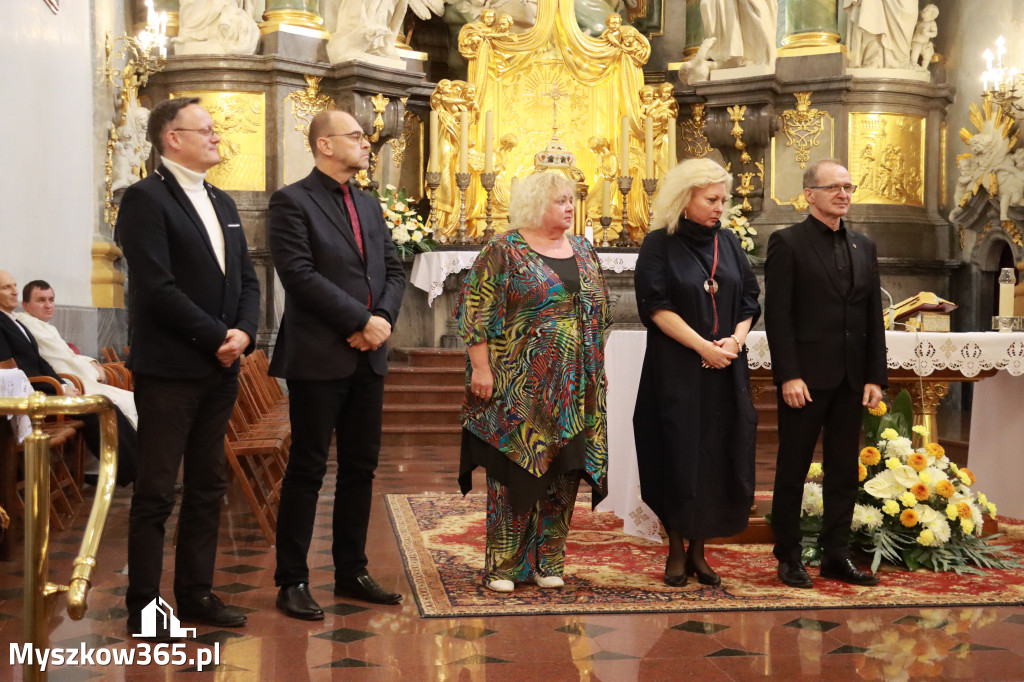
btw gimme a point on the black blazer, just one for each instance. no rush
(815, 331)
(25, 352)
(326, 282)
(181, 304)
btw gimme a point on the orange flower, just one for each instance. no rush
(935, 450)
(918, 461)
(870, 456)
(862, 472)
(920, 491)
(970, 474)
(944, 488)
(909, 518)
(963, 510)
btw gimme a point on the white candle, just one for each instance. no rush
(988, 60)
(606, 198)
(624, 147)
(649, 146)
(432, 165)
(588, 232)
(671, 132)
(489, 142)
(464, 142)
(1006, 292)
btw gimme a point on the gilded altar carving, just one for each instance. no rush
(411, 124)
(887, 158)
(239, 119)
(598, 81)
(736, 115)
(994, 161)
(305, 104)
(803, 127)
(695, 144)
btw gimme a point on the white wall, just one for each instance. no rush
(48, 182)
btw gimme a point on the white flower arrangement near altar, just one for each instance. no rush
(408, 231)
(738, 223)
(914, 507)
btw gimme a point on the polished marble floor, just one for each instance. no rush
(359, 641)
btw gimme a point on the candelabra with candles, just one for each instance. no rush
(487, 181)
(433, 182)
(1004, 86)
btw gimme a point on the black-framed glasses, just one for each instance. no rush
(355, 136)
(834, 189)
(205, 132)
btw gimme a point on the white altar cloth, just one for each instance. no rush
(996, 419)
(429, 270)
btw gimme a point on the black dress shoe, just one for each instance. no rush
(675, 580)
(704, 578)
(843, 569)
(210, 610)
(297, 602)
(794, 574)
(365, 588)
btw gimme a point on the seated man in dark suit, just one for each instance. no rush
(17, 343)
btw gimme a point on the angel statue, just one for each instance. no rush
(371, 27)
(215, 27)
(131, 149)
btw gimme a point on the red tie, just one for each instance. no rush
(353, 217)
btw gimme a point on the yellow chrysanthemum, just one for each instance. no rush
(815, 470)
(964, 477)
(892, 508)
(893, 463)
(880, 410)
(918, 461)
(870, 456)
(991, 510)
(920, 491)
(862, 472)
(925, 478)
(909, 518)
(970, 475)
(967, 525)
(889, 434)
(945, 488)
(963, 510)
(953, 468)
(920, 429)
(935, 450)
(982, 498)
(908, 499)
(926, 537)
(951, 512)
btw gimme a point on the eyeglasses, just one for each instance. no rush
(205, 132)
(355, 136)
(834, 189)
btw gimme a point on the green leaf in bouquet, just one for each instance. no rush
(901, 413)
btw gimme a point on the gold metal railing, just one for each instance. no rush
(37, 407)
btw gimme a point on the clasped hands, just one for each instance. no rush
(715, 354)
(372, 336)
(235, 343)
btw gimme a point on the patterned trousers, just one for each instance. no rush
(521, 545)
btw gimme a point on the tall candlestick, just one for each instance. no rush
(671, 132)
(649, 147)
(489, 142)
(606, 197)
(432, 165)
(1006, 279)
(464, 142)
(624, 147)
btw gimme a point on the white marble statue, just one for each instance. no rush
(880, 32)
(921, 47)
(371, 27)
(1010, 174)
(699, 68)
(131, 150)
(215, 27)
(744, 31)
(991, 165)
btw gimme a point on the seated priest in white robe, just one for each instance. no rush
(39, 303)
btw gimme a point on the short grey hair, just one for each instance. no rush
(531, 195)
(677, 187)
(811, 172)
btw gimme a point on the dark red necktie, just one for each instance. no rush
(353, 217)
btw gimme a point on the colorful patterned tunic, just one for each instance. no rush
(546, 352)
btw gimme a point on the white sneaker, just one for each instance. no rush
(501, 585)
(547, 581)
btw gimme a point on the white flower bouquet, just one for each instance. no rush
(408, 231)
(738, 223)
(914, 507)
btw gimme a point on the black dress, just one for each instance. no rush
(695, 428)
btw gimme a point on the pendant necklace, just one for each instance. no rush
(710, 284)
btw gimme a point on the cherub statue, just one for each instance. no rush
(131, 150)
(215, 27)
(921, 47)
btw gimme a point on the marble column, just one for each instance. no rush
(694, 29)
(293, 13)
(810, 27)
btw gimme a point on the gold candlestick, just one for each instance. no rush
(650, 185)
(462, 182)
(625, 184)
(487, 180)
(433, 182)
(606, 222)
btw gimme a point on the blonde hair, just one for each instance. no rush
(677, 187)
(531, 195)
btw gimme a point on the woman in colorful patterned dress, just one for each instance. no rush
(694, 423)
(532, 313)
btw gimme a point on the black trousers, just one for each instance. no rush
(178, 419)
(127, 444)
(835, 414)
(351, 409)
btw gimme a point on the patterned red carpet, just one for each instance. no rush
(441, 539)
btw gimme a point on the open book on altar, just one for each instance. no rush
(924, 311)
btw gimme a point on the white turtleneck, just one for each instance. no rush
(192, 183)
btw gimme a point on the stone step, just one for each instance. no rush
(399, 375)
(421, 415)
(430, 357)
(395, 436)
(399, 394)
